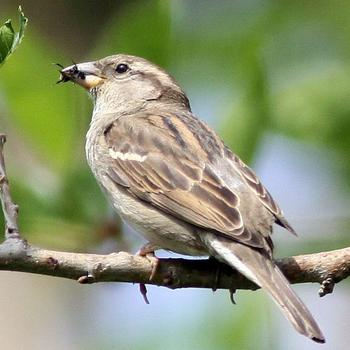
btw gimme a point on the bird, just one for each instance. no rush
(171, 177)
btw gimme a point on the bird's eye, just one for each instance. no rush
(122, 68)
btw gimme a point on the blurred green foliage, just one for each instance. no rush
(284, 66)
(267, 67)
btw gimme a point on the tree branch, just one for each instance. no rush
(8, 207)
(326, 268)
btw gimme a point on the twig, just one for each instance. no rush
(8, 207)
(326, 268)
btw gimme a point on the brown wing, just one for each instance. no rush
(170, 169)
(263, 194)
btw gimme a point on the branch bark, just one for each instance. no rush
(326, 268)
(9, 209)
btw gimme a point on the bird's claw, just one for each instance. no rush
(232, 292)
(327, 287)
(147, 251)
(143, 291)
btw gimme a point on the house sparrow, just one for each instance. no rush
(171, 177)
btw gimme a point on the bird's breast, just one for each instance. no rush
(161, 229)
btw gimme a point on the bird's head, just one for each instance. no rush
(124, 81)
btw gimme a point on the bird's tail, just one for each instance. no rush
(264, 272)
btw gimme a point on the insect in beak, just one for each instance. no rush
(85, 74)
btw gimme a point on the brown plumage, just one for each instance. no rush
(170, 176)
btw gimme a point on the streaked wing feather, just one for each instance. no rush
(173, 177)
(263, 194)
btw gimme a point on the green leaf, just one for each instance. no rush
(9, 39)
(7, 36)
(22, 26)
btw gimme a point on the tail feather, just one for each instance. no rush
(264, 272)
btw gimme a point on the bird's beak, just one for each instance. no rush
(85, 74)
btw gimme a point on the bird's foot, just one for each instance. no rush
(217, 273)
(147, 251)
(216, 280)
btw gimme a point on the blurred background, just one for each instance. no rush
(272, 77)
